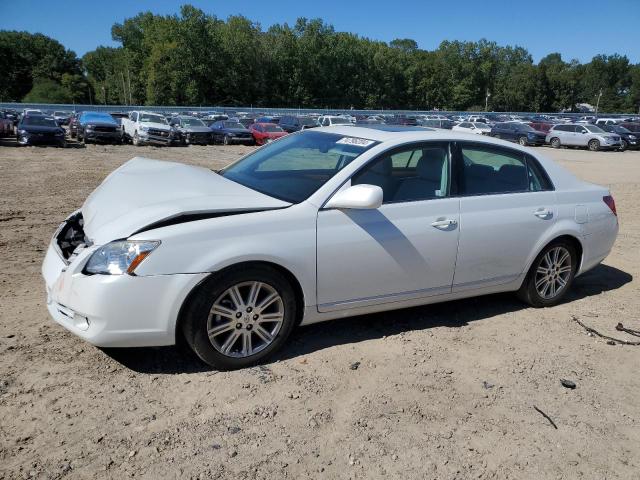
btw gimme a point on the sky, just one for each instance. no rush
(576, 28)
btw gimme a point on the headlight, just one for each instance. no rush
(22, 132)
(89, 127)
(632, 137)
(119, 257)
(144, 128)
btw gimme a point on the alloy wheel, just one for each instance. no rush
(245, 319)
(553, 272)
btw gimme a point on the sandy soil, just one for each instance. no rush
(445, 391)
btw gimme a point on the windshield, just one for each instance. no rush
(192, 122)
(294, 167)
(270, 127)
(524, 127)
(308, 121)
(150, 117)
(593, 129)
(619, 129)
(97, 117)
(233, 125)
(482, 126)
(39, 121)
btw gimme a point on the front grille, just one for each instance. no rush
(105, 128)
(158, 133)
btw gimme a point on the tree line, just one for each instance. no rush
(195, 58)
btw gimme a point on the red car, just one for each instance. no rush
(266, 132)
(541, 126)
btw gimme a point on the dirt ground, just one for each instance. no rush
(444, 392)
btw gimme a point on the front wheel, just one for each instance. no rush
(550, 275)
(594, 145)
(136, 139)
(623, 145)
(225, 140)
(523, 141)
(240, 317)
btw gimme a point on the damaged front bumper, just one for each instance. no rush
(111, 310)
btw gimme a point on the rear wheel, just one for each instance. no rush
(550, 275)
(225, 140)
(623, 145)
(240, 317)
(555, 142)
(594, 145)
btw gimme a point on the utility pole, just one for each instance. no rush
(598, 102)
(124, 89)
(486, 101)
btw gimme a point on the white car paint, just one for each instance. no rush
(477, 128)
(346, 261)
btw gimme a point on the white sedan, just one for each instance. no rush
(477, 128)
(322, 224)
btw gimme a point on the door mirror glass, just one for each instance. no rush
(359, 197)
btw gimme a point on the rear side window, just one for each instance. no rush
(494, 170)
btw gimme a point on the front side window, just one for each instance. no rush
(411, 174)
(295, 166)
(487, 169)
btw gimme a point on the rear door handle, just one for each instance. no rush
(445, 224)
(543, 213)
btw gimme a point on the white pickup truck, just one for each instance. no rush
(147, 127)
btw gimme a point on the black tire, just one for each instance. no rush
(528, 292)
(594, 145)
(197, 309)
(136, 139)
(555, 142)
(225, 140)
(523, 141)
(623, 145)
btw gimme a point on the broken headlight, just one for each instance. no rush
(119, 257)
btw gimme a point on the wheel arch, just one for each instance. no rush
(566, 236)
(291, 278)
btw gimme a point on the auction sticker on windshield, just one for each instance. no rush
(359, 142)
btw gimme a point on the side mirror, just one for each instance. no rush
(358, 197)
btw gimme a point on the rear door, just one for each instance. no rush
(506, 204)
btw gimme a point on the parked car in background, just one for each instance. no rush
(582, 135)
(73, 124)
(608, 121)
(481, 119)
(266, 132)
(98, 127)
(233, 261)
(6, 125)
(147, 127)
(268, 119)
(368, 120)
(444, 124)
(633, 127)
(12, 115)
(518, 132)
(628, 139)
(246, 121)
(478, 128)
(62, 117)
(541, 126)
(40, 130)
(190, 131)
(228, 132)
(292, 123)
(407, 120)
(329, 120)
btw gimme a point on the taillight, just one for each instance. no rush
(610, 203)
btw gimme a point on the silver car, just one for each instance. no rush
(581, 135)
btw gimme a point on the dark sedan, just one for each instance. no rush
(628, 139)
(292, 123)
(98, 127)
(229, 132)
(191, 130)
(40, 130)
(62, 117)
(518, 132)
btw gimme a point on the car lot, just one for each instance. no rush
(445, 391)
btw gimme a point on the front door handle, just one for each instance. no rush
(543, 213)
(445, 224)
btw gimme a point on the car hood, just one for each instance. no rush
(100, 123)
(143, 192)
(40, 129)
(159, 126)
(196, 129)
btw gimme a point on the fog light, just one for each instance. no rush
(80, 322)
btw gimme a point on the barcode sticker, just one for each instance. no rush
(359, 142)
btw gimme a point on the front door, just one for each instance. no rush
(405, 249)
